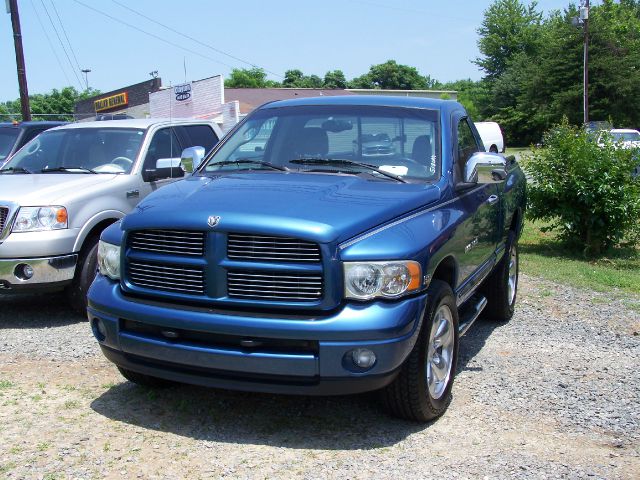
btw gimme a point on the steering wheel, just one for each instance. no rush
(123, 162)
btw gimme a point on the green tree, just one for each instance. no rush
(249, 78)
(55, 105)
(335, 79)
(293, 78)
(392, 76)
(508, 28)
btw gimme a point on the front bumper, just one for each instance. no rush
(47, 272)
(389, 329)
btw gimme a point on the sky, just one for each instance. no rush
(108, 37)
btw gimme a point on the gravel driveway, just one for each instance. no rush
(553, 393)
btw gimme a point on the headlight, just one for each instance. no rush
(365, 280)
(38, 219)
(109, 260)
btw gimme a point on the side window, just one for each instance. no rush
(200, 135)
(467, 145)
(164, 144)
(32, 134)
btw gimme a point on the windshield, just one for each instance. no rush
(8, 137)
(626, 136)
(79, 150)
(381, 142)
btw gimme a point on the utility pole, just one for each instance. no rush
(584, 16)
(22, 73)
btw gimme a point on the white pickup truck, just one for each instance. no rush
(68, 184)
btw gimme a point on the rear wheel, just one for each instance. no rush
(493, 149)
(85, 274)
(501, 287)
(142, 379)
(422, 390)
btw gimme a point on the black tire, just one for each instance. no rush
(501, 301)
(142, 379)
(493, 149)
(409, 396)
(86, 271)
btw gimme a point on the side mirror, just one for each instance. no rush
(484, 167)
(191, 158)
(165, 168)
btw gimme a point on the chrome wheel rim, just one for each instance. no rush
(440, 352)
(512, 281)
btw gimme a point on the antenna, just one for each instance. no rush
(184, 64)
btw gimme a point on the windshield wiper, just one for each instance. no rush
(250, 161)
(68, 169)
(15, 170)
(345, 162)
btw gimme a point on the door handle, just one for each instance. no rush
(492, 199)
(133, 193)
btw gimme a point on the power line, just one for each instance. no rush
(65, 34)
(157, 37)
(61, 44)
(194, 39)
(50, 44)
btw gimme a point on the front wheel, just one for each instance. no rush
(86, 271)
(422, 389)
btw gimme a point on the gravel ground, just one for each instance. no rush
(552, 394)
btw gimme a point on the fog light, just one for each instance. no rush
(363, 358)
(99, 330)
(23, 271)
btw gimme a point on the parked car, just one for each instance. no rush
(375, 145)
(13, 135)
(627, 137)
(65, 186)
(491, 136)
(306, 270)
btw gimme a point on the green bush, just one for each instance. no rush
(584, 186)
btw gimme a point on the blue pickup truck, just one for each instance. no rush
(293, 262)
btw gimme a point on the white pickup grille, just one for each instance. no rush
(279, 286)
(271, 249)
(173, 242)
(170, 278)
(4, 212)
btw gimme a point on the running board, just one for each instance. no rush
(472, 311)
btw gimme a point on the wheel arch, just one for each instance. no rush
(447, 271)
(95, 226)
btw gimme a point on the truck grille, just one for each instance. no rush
(279, 286)
(170, 278)
(266, 248)
(4, 212)
(173, 242)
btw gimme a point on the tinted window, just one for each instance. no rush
(164, 144)
(199, 135)
(8, 137)
(402, 141)
(105, 150)
(467, 145)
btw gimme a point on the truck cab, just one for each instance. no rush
(295, 260)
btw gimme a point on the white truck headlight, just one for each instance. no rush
(365, 280)
(109, 260)
(38, 219)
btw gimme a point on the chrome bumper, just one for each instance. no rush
(45, 270)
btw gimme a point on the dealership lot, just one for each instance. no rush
(554, 392)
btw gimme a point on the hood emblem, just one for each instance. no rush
(213, 220)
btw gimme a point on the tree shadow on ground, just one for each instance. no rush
(333, 423)
(36, 311)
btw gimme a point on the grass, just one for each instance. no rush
(544, 256)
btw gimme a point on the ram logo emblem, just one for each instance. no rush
(213, 220)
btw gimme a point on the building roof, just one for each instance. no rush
(252, 98)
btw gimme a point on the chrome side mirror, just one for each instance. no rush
(484, 167)
(191, 158)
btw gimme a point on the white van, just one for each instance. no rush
(491, 136)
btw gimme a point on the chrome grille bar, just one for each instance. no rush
(274, 286)
(175, 278)
(4, 213)
(262, 247)
(174, 242)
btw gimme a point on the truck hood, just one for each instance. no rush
(319, 207)
(47, 189)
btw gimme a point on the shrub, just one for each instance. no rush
(585, 187)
